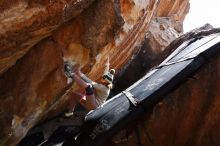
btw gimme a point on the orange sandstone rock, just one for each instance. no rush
(36, 37)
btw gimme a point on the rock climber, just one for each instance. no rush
(94, 94)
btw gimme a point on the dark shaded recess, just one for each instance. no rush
(32, 140)
(63, 133)
(144, 60)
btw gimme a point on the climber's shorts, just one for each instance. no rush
(89, 90)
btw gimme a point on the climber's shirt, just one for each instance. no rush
(101, 92)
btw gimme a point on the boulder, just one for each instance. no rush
(36, 37)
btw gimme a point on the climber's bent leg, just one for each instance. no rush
(74, 99)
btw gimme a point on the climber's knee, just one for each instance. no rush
(89, 89)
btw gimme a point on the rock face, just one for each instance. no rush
(187, 116)
(36, 37)
(25, 23)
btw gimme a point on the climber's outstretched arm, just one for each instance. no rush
(80, 81)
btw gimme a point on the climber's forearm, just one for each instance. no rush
(80, 81)
(85, 78)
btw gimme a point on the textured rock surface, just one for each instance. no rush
(175, 10)
(37, 36)
(187, 116)
(25, 23)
